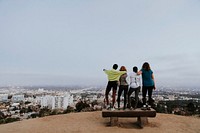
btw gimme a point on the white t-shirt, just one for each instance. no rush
(135, 80)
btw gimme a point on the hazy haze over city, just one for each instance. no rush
(67, 42)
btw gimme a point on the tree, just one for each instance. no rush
(34, 115)
(160, 108)
(27, 102)
(81, 105)
(44, 112)
(94, 103)
(191, 107)
(8, 120)
(54, 112)
(2, 115)
(23, 110)
(68, 110)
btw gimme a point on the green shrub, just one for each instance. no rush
(8, 120)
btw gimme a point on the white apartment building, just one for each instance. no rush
(71, 100)
(55, 102)
(45, 101)
(60, 102)
(3, 97)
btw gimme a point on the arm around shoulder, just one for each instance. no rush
(139, 72)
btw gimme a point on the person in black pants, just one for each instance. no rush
(148, 83)
(113, 78)
(122, 87)
(135, 85)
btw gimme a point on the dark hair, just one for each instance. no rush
(115, 66)
(123, 68)
(135, 69)
(146, 66)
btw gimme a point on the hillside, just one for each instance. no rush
(92, 122)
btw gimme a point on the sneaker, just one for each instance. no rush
(112, 109)
(144, 107)
(148, 107)
(108, 107)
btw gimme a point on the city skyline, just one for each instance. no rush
(71, 42)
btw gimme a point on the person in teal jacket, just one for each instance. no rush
(148, 83)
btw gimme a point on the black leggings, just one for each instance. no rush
(111, 85)
(121, 89)
(144, 93)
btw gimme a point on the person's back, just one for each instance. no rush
(122, 79)
(147, 77)
(135, 83)
(113, 77)
(123, 86)
(148, 82)
(135, 80)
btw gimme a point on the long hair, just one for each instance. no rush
(123, 68)
(146, 66)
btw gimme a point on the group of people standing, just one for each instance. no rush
(143, 78)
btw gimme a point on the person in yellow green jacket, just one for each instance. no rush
(113, 78)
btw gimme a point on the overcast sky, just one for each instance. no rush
(69, 42)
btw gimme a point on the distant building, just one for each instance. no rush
(55, 102)
(15, 104)
(71, 100)
(60, 102)
(3, 97)
(17, 98)
(40, 90)
(63, 101)
(45, 101)
(171, 97)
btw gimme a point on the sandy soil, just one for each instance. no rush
(92, 122)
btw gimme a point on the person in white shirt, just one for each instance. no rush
(135, 85)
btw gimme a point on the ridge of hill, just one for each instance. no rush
(92, 122)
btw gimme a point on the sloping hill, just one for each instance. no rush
(92, 122)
